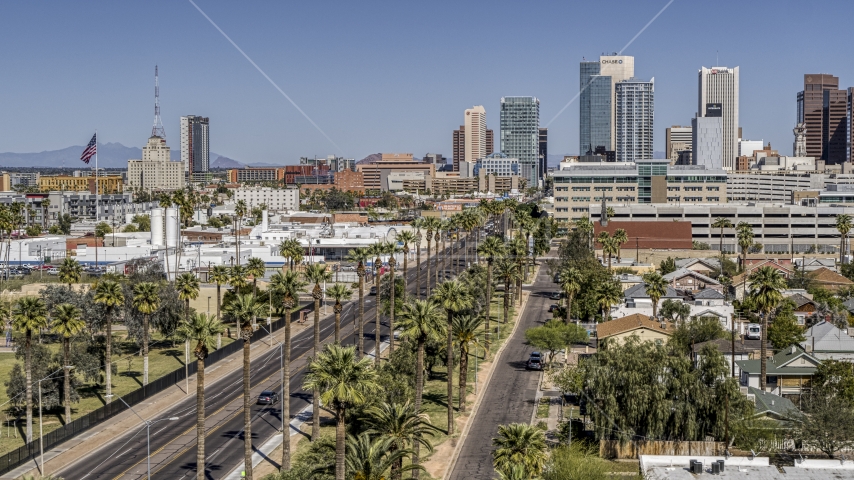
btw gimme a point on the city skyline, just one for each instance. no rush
(49, 87)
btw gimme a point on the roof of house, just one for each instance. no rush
(708, 294)
(738, 279)
(779, 363)
(629, 278)
(826, 337)
(800, 300)
(770, 404)
(849, 304)
(741, 347)
(712, 263)
(825, 276)
(710, 313)
(639, 291)
(629, 323)
(683, 272)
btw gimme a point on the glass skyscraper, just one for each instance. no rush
(520, 134)
(595, 106)
(635, 115)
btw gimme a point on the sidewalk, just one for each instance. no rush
(91, 441)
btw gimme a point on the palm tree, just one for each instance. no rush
(403, 426)
(70, 271)
(454, 297)
(338, 292)
(29, 316)
(620, 237)
(377, 249)
(289, 284)
(744, 235)
(518, 249)
(255, 267)
(656, 287)
(391, 249)
(239, 212)
(406, 237)
(721, 223)
(608, 294)
(237, 279)
(361, 256)
(316, 273)
(418, 223)
(370, 459)
(527, 226)
(66, 324)
(843, 226)
(109, 294)
(430, 224)
(570, 282)
(609, 246)
(507, 270)
(244, 308)
(465, 334)
(585, 226)
(491, 248)
(343, 381)
(219, 275)
(765, 285)
(519, 444)
(187, 286)
(202, 330)
(146, 300)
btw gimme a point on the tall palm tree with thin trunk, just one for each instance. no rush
(240, 211)
(620, 237)
(391, 249)
(67, 323)
(70, 272)
(417, 224)
(520, 443)
(338, 292)
(744, 237)
(361, 256)
(570, 283)
(370, 458)
(377, 249)
(109, 294)
(202, 330)
(255, 267)
(244, 308)
(843, 226)
(454, 297)
(491, 248)
(188, 288)
(656, 287)
(238, 281)
(403, 426)
(765, 286)
(343, 381)
(29, 317)
(721, 223)
(464, 331)
(219, 275)
(430, 225)
(316, 273)
(146, 300)
(508, 271)
(407, 238)
(608, 294)
(518, 249)
(289, 285)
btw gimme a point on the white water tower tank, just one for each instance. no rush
(156, 215)
(172, 232)
(265, 221)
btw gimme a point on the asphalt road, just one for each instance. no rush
(173, 443)
(510, 394)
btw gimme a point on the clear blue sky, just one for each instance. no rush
(387, 76)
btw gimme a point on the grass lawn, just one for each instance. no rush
(543, 407)
(163, 358)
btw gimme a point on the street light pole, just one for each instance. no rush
(148, 425)
(281, 381)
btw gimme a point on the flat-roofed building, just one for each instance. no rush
(106, 184)
(376, 174)
(256, 174)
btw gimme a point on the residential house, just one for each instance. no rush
(628, 281)
(826, 278)
(705, 266)
(690, 281)
(618, 330)
(827, 342)
(740, 283)
(787, 372)
(637, 297)
(745, 349)
(709, 297)
(768, 405)
(804, 306)
(812, 264)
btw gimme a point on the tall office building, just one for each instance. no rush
(195, 149)
(520, 132)
(850, 115)
(823, 109)
(544, 152)
(708, 142)
(459, 146)
(475, 124)
(634, 119)
(597, 125)
(718, 96)
(677, 139)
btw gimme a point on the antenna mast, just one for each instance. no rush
(157, 130)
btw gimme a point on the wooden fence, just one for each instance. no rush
(632, 449)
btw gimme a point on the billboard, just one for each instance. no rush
(714, 110)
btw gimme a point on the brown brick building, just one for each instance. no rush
(662, 235)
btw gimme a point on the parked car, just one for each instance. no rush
(553, 307)
(53, 271)
(373, 290)
(268, 398)
(534, 364)
(555, 295)
(753, 331)
(536, 356)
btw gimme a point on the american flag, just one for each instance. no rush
(90, 150)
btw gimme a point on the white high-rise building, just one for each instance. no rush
(618, 68)
(195, 144)
(634, 116)
(718, 97)
(475, 142)
(747, 147)
(707, 142)
(155, 171)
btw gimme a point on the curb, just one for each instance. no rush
(461, 440)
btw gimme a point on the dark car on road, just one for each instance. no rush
(555, 295)
(553, 307)
(268, 398)
(534, 364)
(373, 290)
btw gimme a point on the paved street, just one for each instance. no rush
(509, 396)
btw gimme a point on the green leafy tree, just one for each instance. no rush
(555, 336)
(784, 330)
(826, 423)
(343, 380)
(667, 265)
(676, 311)
(834, 378)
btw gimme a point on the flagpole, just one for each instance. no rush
(96, 183)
